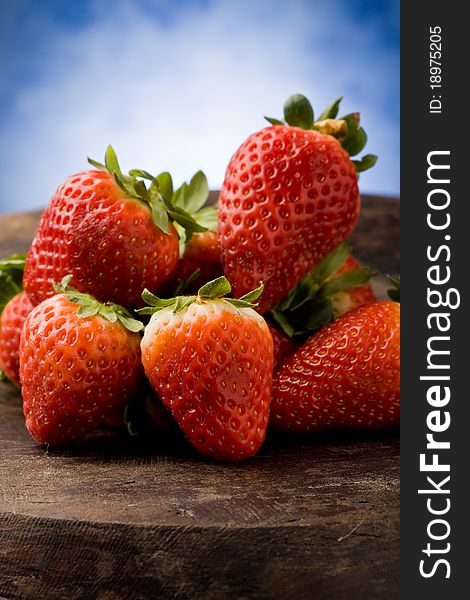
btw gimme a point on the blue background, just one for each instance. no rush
(178, 85)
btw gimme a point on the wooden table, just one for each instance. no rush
(314, 517)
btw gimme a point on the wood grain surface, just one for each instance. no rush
(314, 517)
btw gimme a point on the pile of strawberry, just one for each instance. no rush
(222, 320)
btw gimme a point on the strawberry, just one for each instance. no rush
(210, 361)
(284, 346)
(79, 364)
(114, 235)
(346, 375)
(201, 254)
(14, 308)
(289, 197)
(335, 285)
(11, 323)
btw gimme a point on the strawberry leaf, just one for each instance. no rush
(274, 121)
(298, 111)
(212, 290)
(132, 325)
(141, 190)
(331, 111)
(154, 301)
(108, 312)
(331, 263)
(111, 161)
(308, 305)
(216, 288)
(126, 186)
(197, 193)
(178, 197)
(98, 165)
(283, 322)
(182, 302)
(319, 314)
(184, 218)
(159, 196)
(165, 185)
(63, 286)
(11, 276)
(207, 217)
(239, 303)
(88, 310)
(355, 141)
(366, 162)
(311, 283)
(90, 307)
(142, 174)
(159, 214)
(347, 281)
(254, 294)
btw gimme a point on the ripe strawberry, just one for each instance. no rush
(289, 197)
(11, 324)
(284, 346)
(79, 364)
(201, 254)
(346, 375)
(111, 233)
(14, 308)
(210, 361)
(335, 285)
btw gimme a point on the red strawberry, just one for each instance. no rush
(79, 364)
(346, 300)
(201, 254)
(111, 233)
(347, 375)
(210, 361)
(284, 346)
(11, 324)
(289, 197)
(14, 308)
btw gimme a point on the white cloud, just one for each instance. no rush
(184, 95)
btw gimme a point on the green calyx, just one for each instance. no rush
(308, 306)
(298, 112)
(192, 198)
(394, 293)
(216, 289)
(156, 193)
(90, 307)
(11, 278)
